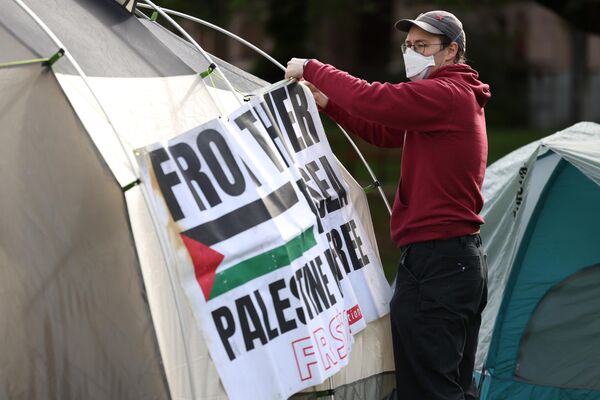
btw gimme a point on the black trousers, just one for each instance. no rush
(441, 290)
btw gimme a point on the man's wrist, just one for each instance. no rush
(305, 63)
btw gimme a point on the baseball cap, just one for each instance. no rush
(439, 23)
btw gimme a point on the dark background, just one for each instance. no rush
(541, 59)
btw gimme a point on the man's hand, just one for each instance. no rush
(320, 98)
(295, 68)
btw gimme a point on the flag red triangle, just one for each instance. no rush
(205, 261)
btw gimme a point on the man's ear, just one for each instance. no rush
(452, 52)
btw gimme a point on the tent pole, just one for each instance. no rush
(276, 63)
(219, 29)
(195, 44)
(132, 163)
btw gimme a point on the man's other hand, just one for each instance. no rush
(320, 98)
(295, 68)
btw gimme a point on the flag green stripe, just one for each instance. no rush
(262, 264)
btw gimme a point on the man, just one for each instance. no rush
(438, 121)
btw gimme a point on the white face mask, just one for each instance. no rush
(417, 65)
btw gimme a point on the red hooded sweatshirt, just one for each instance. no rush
(440, 124)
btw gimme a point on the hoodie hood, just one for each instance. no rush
(468, 76)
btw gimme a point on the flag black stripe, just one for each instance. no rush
(245, 217)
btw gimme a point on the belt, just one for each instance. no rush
(463, 240)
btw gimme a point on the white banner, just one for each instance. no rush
(300, 136)
(251, 262)
(277, 268)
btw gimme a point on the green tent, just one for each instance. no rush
(540, 335)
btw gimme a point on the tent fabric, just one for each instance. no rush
(542, 229)
(186, 52)
(74, 322)
(138, 111)
(501, 188)
(530, 183)
(190, 371)
(559, 242)
(100, 34)
(581, 147)
(20, 39)
(500, 233)
(176, 105)
(380, 386)
(565, 320)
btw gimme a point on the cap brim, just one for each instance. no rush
(404, 25)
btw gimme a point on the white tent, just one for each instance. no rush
(90, 306)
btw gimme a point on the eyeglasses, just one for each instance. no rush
(420, 47)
